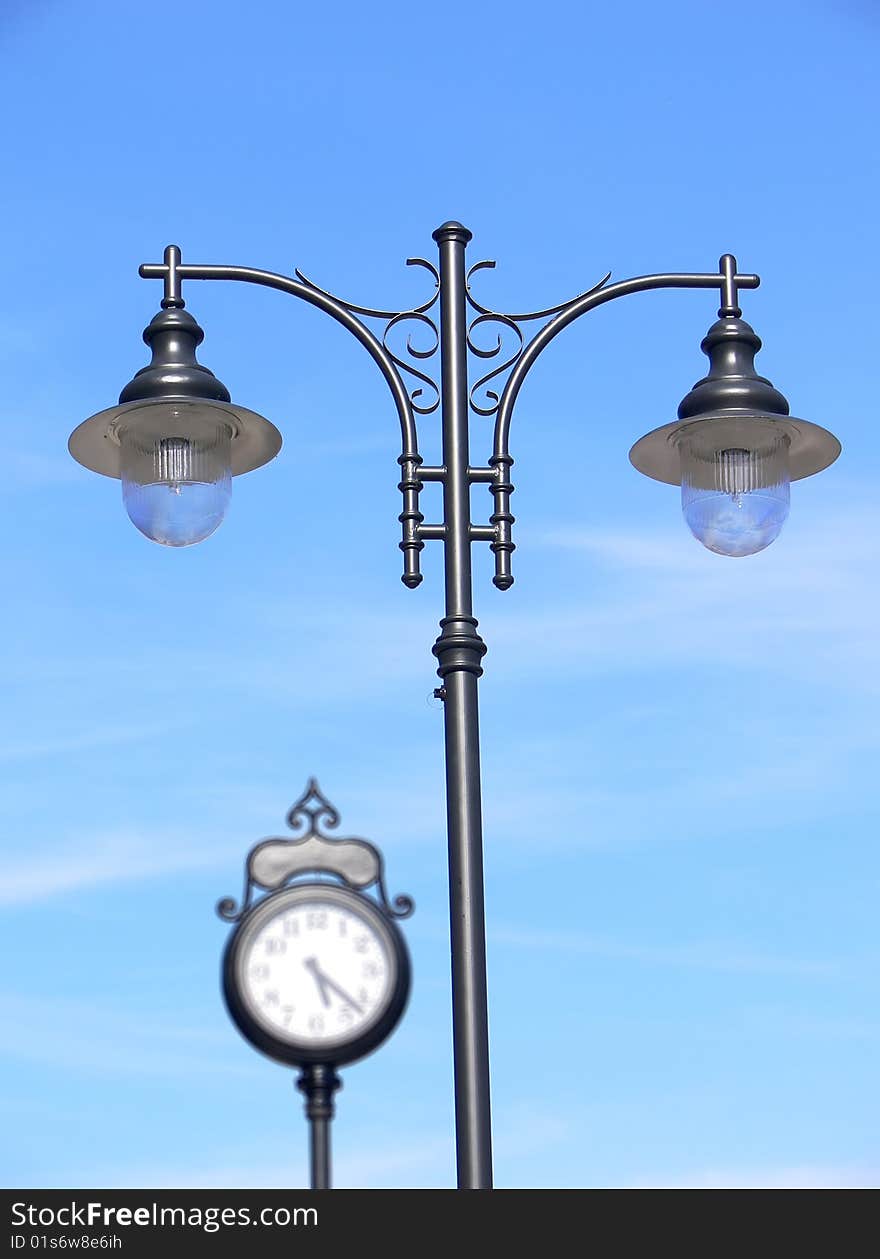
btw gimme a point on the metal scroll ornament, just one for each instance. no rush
(273, 863)
(424, 324)
(490, 401)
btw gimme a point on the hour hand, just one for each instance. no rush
(311, 965)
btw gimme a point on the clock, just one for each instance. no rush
(316, 973)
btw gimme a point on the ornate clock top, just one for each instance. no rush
(272, 863)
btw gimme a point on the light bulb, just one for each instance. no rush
(176, 470)
(735, 499)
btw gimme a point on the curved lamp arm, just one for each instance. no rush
(727, 280)
(173, 272)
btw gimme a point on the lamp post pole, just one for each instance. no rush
(459, 650)
(734, 449)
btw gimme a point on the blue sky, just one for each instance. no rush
(679, 750)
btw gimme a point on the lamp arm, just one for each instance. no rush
(501, 461)
(410, 459)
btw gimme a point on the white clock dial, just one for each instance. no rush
(317, 973)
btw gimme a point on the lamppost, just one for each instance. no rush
(175, 439)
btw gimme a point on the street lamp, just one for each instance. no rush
(175, 440)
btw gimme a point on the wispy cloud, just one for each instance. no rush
(103, 1040)
(83, 740)
(696, 955)
(425, 1163)
(807, 612)
(528, 1128)
(811, 605)
(110, 858)
(617, 789)
(361, 1161)
(304, 656)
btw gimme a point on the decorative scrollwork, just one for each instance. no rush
(401, 906)
(272, 863)
(228, 909)
(421, 408)
(306, 815)
(492, 352)
(486, 265)
(368, 311)
(532, 314)
(491, 400)
(394, 318)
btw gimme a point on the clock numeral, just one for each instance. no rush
(360, 944)
(287, 1011)
(291, 927)
(317, 920)
(275, 946)
(271, 996)
(259, 972)
(346, 1015)
(343, 927)
(371, 969)
(316, 1023)
(363, 996)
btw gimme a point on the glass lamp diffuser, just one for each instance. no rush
(735, 499)
(176, 466)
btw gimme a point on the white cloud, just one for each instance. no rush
(360, 1161)
(811, 608)
(103, 1041)
(426, 1163)
(331, 656)
(109, 858)
(84, 739)
(697, 955)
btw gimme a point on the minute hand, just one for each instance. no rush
(327, 982)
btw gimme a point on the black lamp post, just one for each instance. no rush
(175, 440)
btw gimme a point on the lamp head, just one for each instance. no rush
(734, 448)
(175, 438)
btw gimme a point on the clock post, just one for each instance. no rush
(316, 973)
(319, 1084)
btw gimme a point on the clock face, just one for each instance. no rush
(317, 969)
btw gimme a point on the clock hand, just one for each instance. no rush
(349, 1000)
(311, 965)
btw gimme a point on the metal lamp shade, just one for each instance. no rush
(731, 408)
(176, 381)
(96, 444)
(811, 448)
